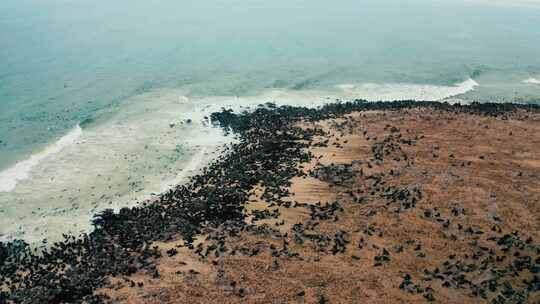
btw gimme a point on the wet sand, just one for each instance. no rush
(414, 205)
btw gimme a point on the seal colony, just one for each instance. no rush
(351, 202)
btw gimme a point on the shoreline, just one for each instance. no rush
(121, 245)
(78, 189)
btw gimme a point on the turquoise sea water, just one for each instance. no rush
(121, 69)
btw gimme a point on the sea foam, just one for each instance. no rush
(21, 170)
(402, 91)
(532, 81)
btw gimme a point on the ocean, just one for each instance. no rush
(103, 104)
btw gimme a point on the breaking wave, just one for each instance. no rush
(532, 81)
(21, 170)
(400, 91)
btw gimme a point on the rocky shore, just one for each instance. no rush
(353, 202)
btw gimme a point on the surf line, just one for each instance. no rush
(10, 177)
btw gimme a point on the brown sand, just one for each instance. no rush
(488, 167)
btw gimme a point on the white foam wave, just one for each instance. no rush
(196, 163)
(20, 171)
(400, 91)
(532, 81)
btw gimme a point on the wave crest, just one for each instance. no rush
(532, 81)
(21, 170)
(401, 91)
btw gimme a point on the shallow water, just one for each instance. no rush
(130, 72)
